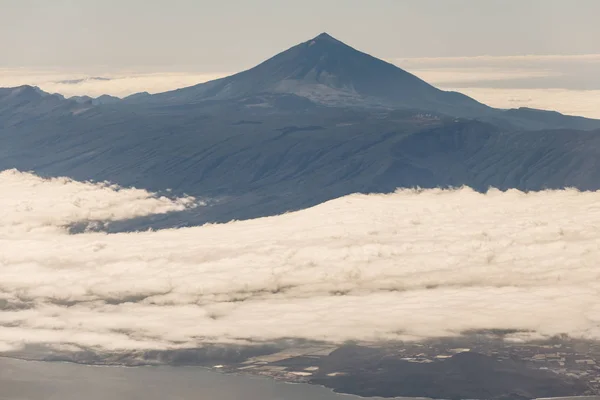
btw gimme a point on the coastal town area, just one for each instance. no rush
(569, 359)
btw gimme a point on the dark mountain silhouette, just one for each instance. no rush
(330, 72)
(136, 96)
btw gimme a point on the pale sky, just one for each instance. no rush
(230, 35)
(506, 53)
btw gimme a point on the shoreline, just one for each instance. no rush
(171, 375)
(372, 370)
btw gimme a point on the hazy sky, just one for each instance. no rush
(229, 35)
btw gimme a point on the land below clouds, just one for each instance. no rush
(477, 365)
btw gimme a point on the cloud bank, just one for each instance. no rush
(564, 83)
(584, 103)
(408, 265)
(119, 84)
(30, 204)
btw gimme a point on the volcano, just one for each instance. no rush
(329, 72)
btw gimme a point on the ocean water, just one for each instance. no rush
(32, 380)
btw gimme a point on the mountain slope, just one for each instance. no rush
(330, 72)
(253, 162)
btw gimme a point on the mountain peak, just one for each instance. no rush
(330, 72)
(325, 40)
(325, 36)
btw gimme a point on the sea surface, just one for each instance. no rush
(32, 380)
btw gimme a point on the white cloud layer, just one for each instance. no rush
(31, 204)
(119, 84)
(406, 265)
(584, 103)
(447, 76)
(565, 83)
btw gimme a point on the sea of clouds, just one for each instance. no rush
(409, 265)
(564, 83)
(98, 82)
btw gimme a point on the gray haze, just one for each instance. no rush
(229, 35)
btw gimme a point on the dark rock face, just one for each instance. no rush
(464, 376)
